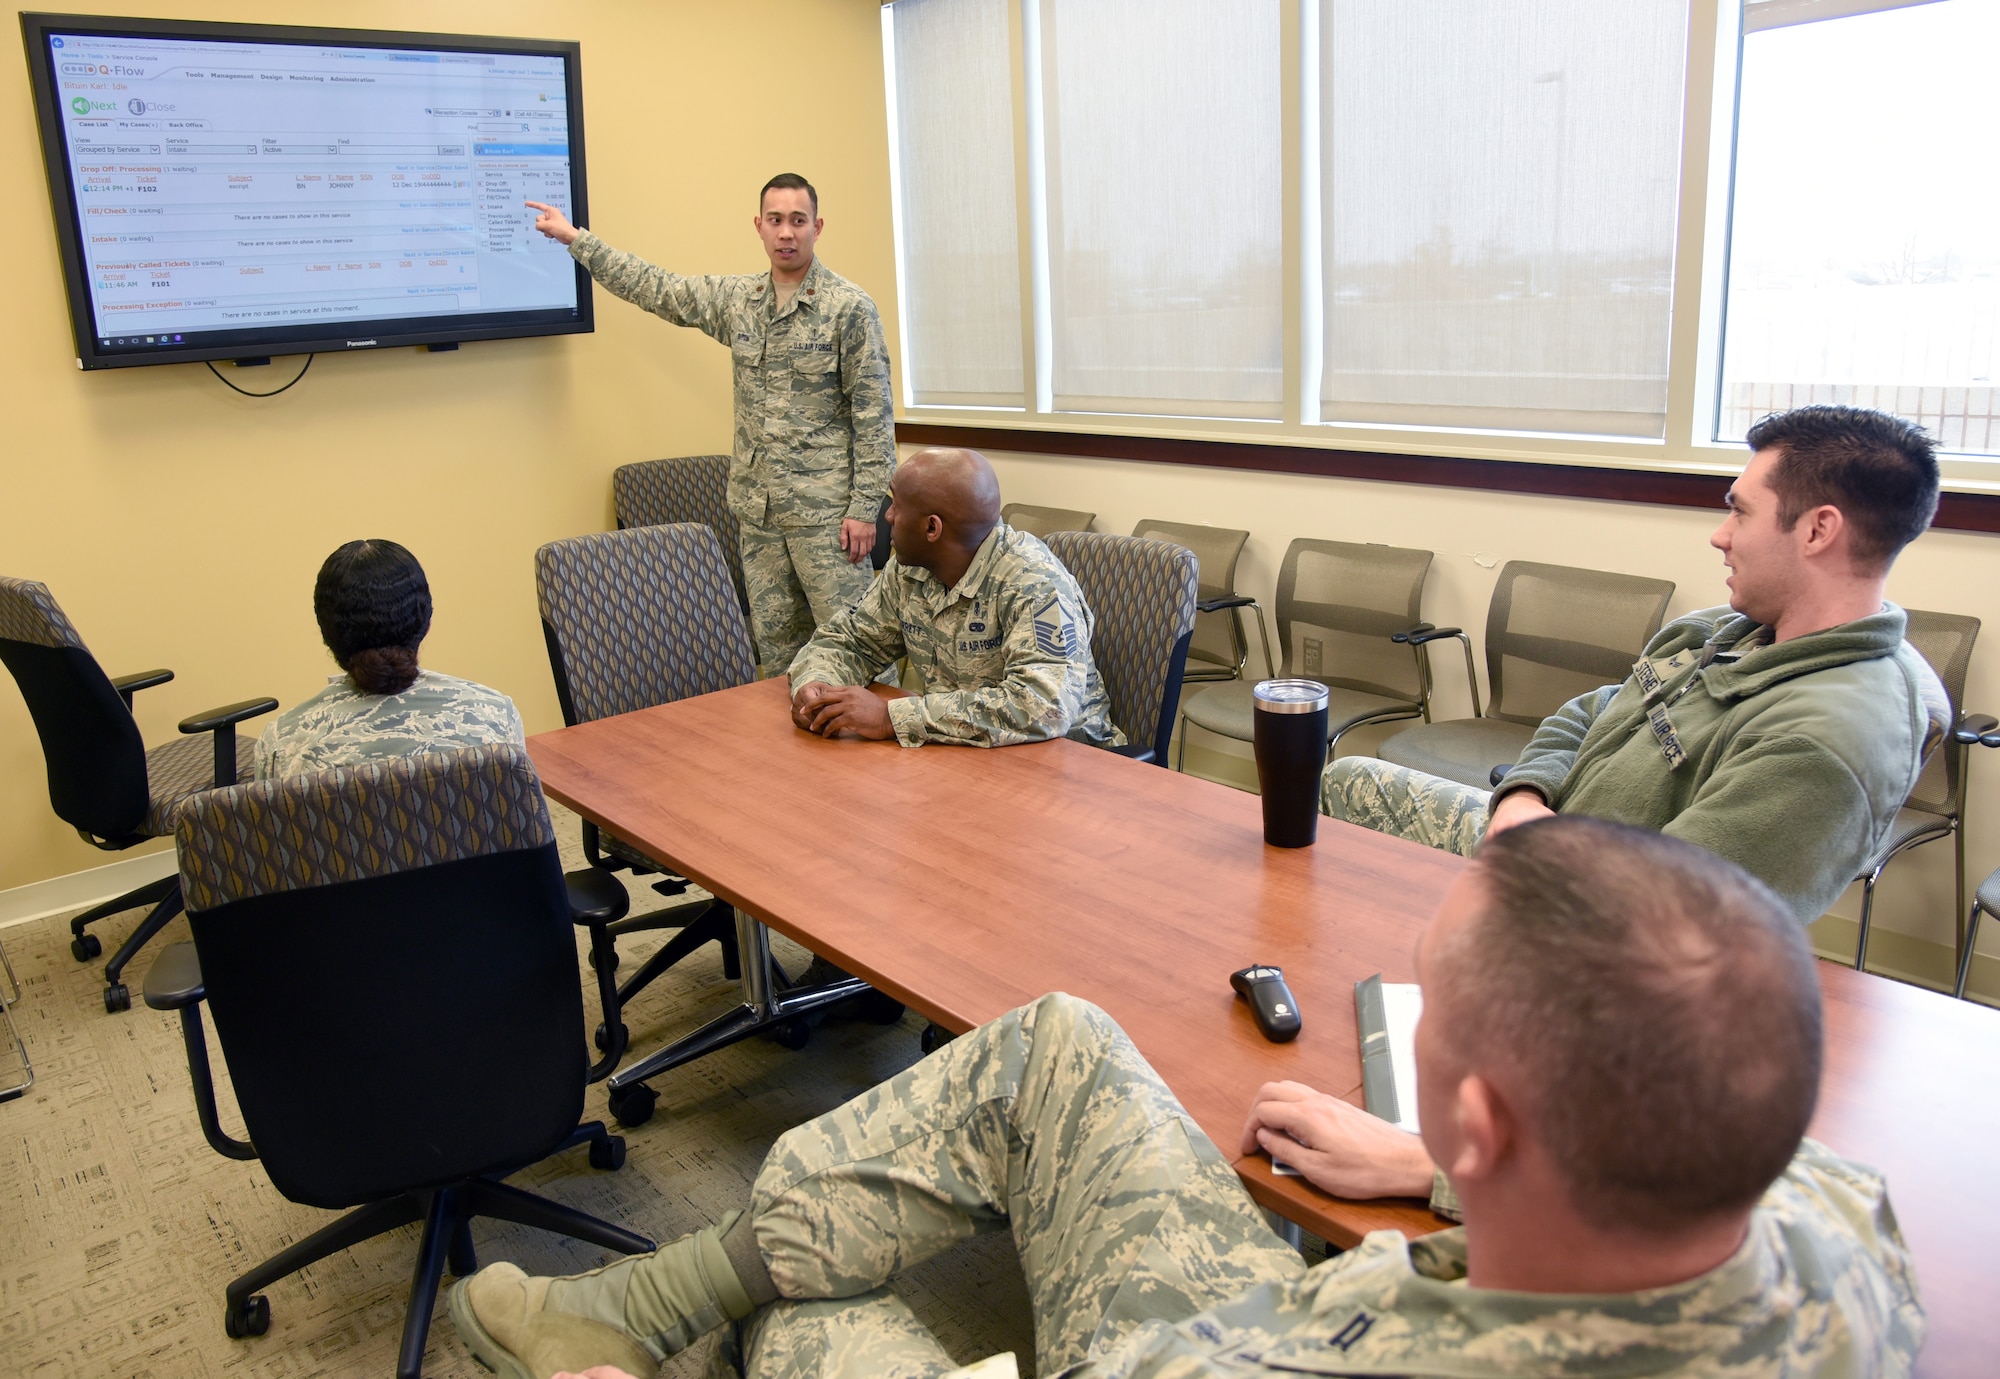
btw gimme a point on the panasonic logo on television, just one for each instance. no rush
(358, 344)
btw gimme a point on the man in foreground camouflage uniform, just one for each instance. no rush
(815, 440)
(993, 623)
(1636, 1195)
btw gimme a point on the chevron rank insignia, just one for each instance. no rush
(1055, 633)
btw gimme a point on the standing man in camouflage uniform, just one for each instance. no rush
(1636, 1195)
(993, 623)
(815, 439)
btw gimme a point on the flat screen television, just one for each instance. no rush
(230, 191)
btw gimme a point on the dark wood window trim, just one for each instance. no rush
(1956, 511)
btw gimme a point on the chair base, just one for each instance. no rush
(447, 1242)
(770, 1004)
(164, 895)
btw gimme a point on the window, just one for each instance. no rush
(1864, 254)
(1498, 185)
(1520, 229)
(1165, 195)
(957, 229)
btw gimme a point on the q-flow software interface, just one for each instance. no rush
(232, 186)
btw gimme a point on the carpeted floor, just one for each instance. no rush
(122, 1226)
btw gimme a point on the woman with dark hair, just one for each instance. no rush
(374, 607)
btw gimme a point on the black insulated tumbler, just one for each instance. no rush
(1290, 738)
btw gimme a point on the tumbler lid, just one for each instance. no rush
(1290, 696)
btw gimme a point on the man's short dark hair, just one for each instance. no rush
(1656, 1011)
(1880, 471)
(789, 182)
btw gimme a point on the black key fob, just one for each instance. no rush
(1270, 1001)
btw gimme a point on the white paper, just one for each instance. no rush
(1402, 1004)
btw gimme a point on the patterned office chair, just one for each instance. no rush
(1142, 595)
(103, 782)
(1936, 807)
(1340, 606)
(1604, 621)
(389, 952)
(688, 488)
(1045, 522)
(634, 619)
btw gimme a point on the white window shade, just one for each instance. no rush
(957, 222)
(1165, 203)
(1498, 211)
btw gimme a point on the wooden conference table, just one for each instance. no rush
(966, 883)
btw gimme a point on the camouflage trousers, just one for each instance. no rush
(1046, 1123)
(1411, 804)
(796, 579)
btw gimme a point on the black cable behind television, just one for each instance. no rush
(227, 191)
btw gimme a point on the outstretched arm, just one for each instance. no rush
(700, 302)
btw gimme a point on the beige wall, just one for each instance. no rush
(180, 525)
(1474, 533)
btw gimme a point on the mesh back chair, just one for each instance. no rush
(1219, 650)
(1142, 596)
(1936, 807)
(1552, 632)
(103, 782)
(688, 488)
(1984, 900)
(1340, 608)
(389, 954)
(1041, 522)
(634, 619)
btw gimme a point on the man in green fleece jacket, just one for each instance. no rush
(1782, 732)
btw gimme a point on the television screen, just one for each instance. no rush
(234, 190)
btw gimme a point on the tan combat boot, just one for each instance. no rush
(632, 1313)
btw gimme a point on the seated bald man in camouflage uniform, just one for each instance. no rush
(1636, 1195)
(993, 623)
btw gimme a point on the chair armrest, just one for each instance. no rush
(222, 722)
(1981, 728)
(228, 716)
(1226, 601)
(175, 983)
(1133, 750)
(174, 980)
(129, 685)
(596, 897)
(1423, 633)
(1498, 774)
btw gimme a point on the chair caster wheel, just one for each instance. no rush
(603, 1041)
(633, 1105)
(609, 1152)
(934, 1038)
(791, 1034)
(253, 1318)
(84, 947)
(117, 997)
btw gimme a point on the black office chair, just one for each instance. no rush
(389, 955)
(1142, 596)
(103, 782)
